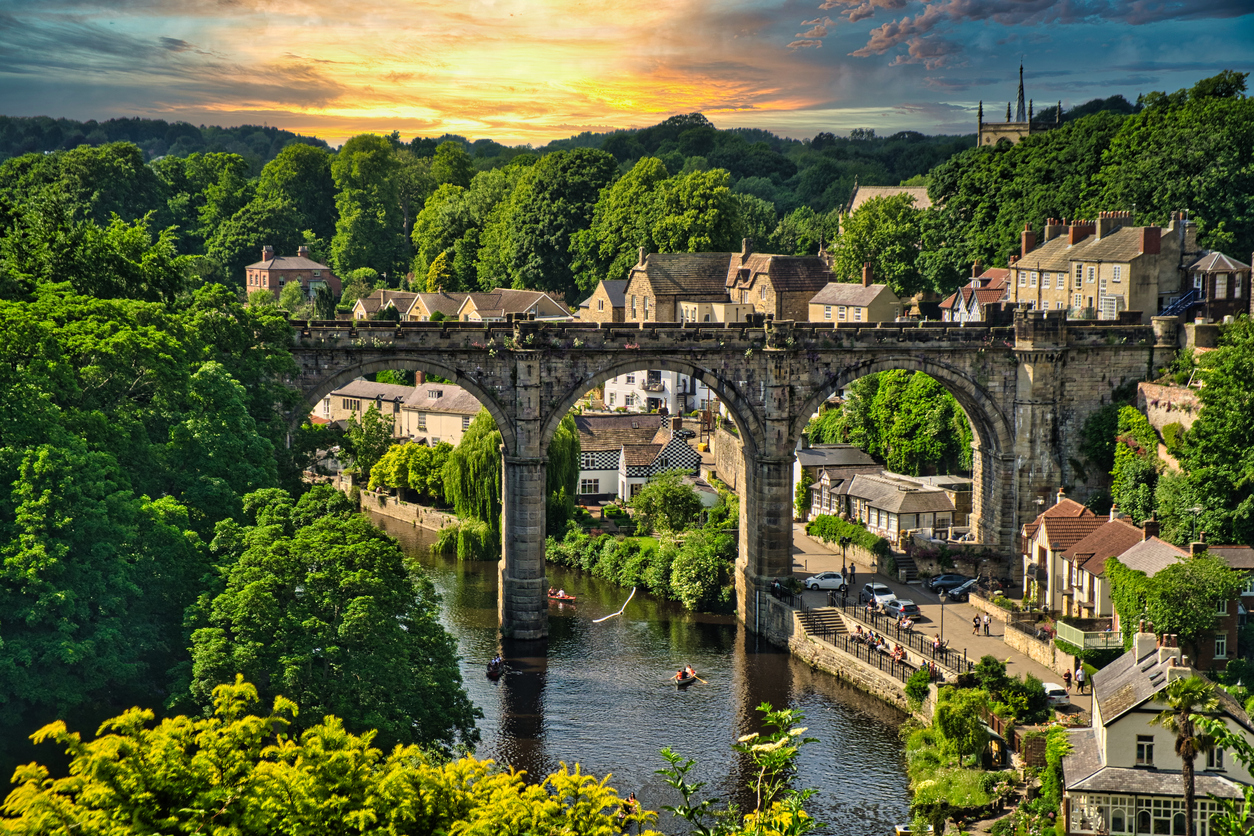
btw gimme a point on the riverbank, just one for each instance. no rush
(385, 505)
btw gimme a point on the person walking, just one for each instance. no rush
(987, 622)
(975, 625)
(1079, 679)
(1066, 680)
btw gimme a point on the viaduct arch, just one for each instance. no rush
(1027, 389)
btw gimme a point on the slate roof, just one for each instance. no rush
(833, 455)
(504, 301)
(446, 303)
(287, 262)
(379, 299)
(1150, 556)
(611, 432)
(1110, 539)
(1083, 771)
(1054, 255)
(369, 390)
(615, 289)
(848, 293)
(453, 399)
(787, 273)
(898, 497)
(672, 274)
(640, 455)
(1238, 557)
(1216, 263)
(861, 194)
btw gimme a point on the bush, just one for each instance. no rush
(1173, 437)
(917, 687)
(830, 529)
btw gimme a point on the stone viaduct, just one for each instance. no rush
(1027, 389)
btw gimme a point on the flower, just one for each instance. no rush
(745, 738)
(769, 747)
(797, 731)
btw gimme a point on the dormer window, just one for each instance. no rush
(432, 394)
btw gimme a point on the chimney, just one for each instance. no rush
(1077, 232)
(1199, 545)
(746, 248)
(1053, 228)
(641, 261)
(1143, 643)
(420, 377)
(302, 251)
(867, 274)
(1027, 241)
(1151, 528)
(677, 424)
(805, 441)
(267, 252)
(1114, 511)
(1151, 240)
(975, 269)
(1061, 496)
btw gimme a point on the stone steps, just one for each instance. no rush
(822, 621)
(906, 568)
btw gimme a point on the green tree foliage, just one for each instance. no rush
(1135, 472)
(237, 240)
(301, 176)
(666, 503)
(622, 222)
(319, 605)
(452, 165)
(1184, 699)
(416, 467)
(99, 181)
(700, 570)
(802, 230)
(697, 212)
(370, 228)
(801, 495)
(367, 440)
(960, 719)
(832, 529)
(885, 231)
(1182, 598)
(472, 476)
(292, 297)
(439, 277)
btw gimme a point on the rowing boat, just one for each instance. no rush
(563, 598)
(685, 680)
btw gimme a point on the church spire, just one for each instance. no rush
(1020, 115)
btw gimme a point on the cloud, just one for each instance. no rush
(805, 44)
(933, 52)
(176, 44)
(816, 32)
(889, 35)
(856, 10)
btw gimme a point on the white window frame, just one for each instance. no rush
(1077, 300)
(1221, 645)
(1046, 281)
(1215, 759)
(422, 422)
(1032, 277)
(1092, 275)
(841, 311)
(1079, 276)
(465, 423)
(1116, 273)
(1023, 278)
(827, 311)
(630, 378)
(589, 486)
(857, 314)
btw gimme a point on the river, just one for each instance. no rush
(597, 695)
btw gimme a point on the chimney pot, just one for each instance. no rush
(1151, 528)
(303, 251)
(867, 274)
(1061, 496)
(1027, 241)
(420, 377)
(267, 252)
(641, 261)
(1114, 511)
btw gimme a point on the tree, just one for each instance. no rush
(292, 297)
(366, 441)
(884, 231)
(1182, 598)
(622, 222)
(370, 229)
(236, 242)
(451, 164)
(320, 607)
(960, 718)
(666, 504)
(472, 476)
(439, 277)
(699, 571)
(300, 175)
(697, 213)
(1185, 698)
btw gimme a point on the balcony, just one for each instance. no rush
(653, 386)
(1090, 633)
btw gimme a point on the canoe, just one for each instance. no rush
(563, 598)
(495, 671)
(684, 681)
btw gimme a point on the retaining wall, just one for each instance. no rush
(1045, 653)
(421, 516)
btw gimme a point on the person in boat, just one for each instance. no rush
(679, 674)
(690, 671)
(561, 593)
(552, 592)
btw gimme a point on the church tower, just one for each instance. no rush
(1018, 122)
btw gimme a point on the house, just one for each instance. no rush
(661, 281)
(830, 491)
(356, 397)
(621, 453)
(651, 390)
(427, 305)
(1122, 775)
(496, 305)
(971, 302)
(437, 412)
(368, 307)
(275, 271)
(715, 312)
(1101, 268)
(1220, 287)
(850, 302)
(606, 304)
(776, 285)
(892, 506)
(1045, 538)
(844, 459)
(1080, 588)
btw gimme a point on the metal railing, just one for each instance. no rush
(781, 593)
(1183, 303)
(1100, 640)
(883, 661)
(886, 625)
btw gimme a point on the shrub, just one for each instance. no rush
(830, 529)
(917, 687)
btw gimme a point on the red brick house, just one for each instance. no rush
(275, 271)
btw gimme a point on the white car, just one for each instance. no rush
(826, 580)
(1056, 694)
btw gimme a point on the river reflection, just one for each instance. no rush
(598, 695)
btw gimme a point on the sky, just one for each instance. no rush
(529, 71)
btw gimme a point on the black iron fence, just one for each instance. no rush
(876, 658)
(782, 593)
(924, 645)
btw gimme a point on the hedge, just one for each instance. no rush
(830, 529)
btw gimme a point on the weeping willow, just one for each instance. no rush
(472, 481)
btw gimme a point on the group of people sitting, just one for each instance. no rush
(875, 641)
(557, 593)
(939, 646)
(686, 672)
(904, 623)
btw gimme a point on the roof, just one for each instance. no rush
(1124, 244)
(610, 432)
(1216, 263)
(1062, 508)
(615, 289)
(640, 455)
(687, 273)
(287, 262)
(451, 399)
(1054, 255)
(380, 298)
(988, 288)
(849, 293)
(1150, 556)
(446, 303)
(505, 300)
(832, 455)
(369, 390)
(787, 273)
(1083, 771)
(898, 496)
(1110, 539)
(1238, 557)
(861, 194)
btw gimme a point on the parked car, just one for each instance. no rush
(947, 580)
(1056, 695)
(962, 592)
(902, 607)
(877, 592)
(681, 433)
(826, 580)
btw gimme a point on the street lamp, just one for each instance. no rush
(1197, 510)
(944, 596)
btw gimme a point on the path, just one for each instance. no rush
(810, 557)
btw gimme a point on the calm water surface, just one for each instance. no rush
(596, 694)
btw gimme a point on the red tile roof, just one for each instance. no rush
(1110, 539)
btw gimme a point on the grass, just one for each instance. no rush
(936, 775)
(647, 544)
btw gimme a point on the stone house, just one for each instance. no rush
(606, 304)
(381, 299)
(850, 302)
(817, 459)
(438, 412)
(892, 506)
(620, 453)
(495, 306)
(357, 396)
(1122, 776)
(971, 302)
(861, 194)
(1101, 268)
(426, 305)
(716, 312)
(275, 271)
(776, 285)
(1220, 287)
(639, 463)
(1079, 587)
(660, 281)
(829, 494)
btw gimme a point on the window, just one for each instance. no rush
(1221, 286)
(585, 461)
(1197, 281)
(1248, 589)
(317, 273)
(1236, 286)
(631, 379)
(600, 304)
(433, 394)
(629, 399)
(611, 400)
(1221, 645)
(857, 314)
(633, 306)
(1079, 269)
(465, 423)
(1092, 274)
(1023, 279)
(840, 313)
(1222, 608)
(762, 292)
(1077, 300)
(396, 407)
(1032, 279)
(1116, 273)
(435, 440)
(827, 311)
(589, 485)
(1060, 305)
(1215, 759)
(1145, 750)
(422, 421)
(646, 307)
(1045, 282)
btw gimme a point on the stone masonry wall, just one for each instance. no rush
(422, 516)
(1044, 653)
(1165, 405)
